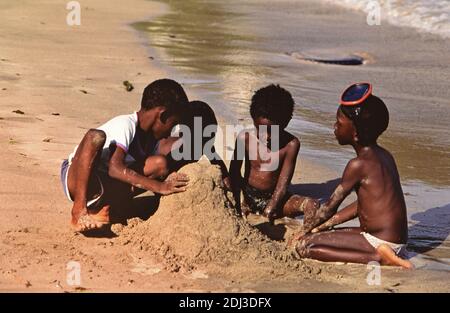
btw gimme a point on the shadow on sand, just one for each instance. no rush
(280, 230)
(431, 231)
(142, 206)
(320, 191)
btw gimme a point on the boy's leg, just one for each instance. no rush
(347, 245)
(297, 205)
(338, 246)
(156, 167)
(79, 180)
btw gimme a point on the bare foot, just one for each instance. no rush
(83, 220)
(101, 215)
(388, 257)
(86, 222)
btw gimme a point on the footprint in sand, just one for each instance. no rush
(143, 268)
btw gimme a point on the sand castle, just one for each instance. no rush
(199, 229)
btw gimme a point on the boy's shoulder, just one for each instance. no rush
(290, 137)
(121, 128)
(376, 154)
(125, 118)
(121, 121)
(289, 140)
(359, 166)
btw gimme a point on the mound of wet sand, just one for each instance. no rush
(198, 230)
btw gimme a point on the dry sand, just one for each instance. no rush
(68, 79)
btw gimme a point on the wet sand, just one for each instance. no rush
(67, 80)
(246, 45)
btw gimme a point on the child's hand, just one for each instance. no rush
(174, 183)
(269, 212)
(325, 226)
(227, 183)
(295, 237)
(245, 210)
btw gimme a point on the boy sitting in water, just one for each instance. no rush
(120, 155)
(361, 119)
(270, 158)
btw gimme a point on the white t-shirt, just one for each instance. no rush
(123, 131)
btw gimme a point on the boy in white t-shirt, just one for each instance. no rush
(121, 153)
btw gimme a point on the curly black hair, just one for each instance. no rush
(167, 93)
(372, 120)
(208, 118)
(274, 103)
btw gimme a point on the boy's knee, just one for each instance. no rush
(156, 166)
(97, 137)
(376, 257)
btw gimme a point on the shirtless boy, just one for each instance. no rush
(383, 232)
(269, 167)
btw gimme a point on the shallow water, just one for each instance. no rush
(426, 15)
(224, 51)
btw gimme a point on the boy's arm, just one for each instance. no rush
(119, 171)
(351, 177)
(286, 173)
(346, 214)
(235, 173)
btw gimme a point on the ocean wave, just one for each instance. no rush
(432, 16)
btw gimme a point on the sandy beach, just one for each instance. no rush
(62, 80)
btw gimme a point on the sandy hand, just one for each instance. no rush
(295, 238)
(245, 209)
(270, 213)
(314, 217)
(325, 226)
(175, 182)
(227, 183)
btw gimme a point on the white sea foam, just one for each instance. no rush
(427, 15)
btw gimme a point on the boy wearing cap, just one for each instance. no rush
(383, 232)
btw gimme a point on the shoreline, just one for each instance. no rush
(46, 69)
(245, 57)
(173, 33)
